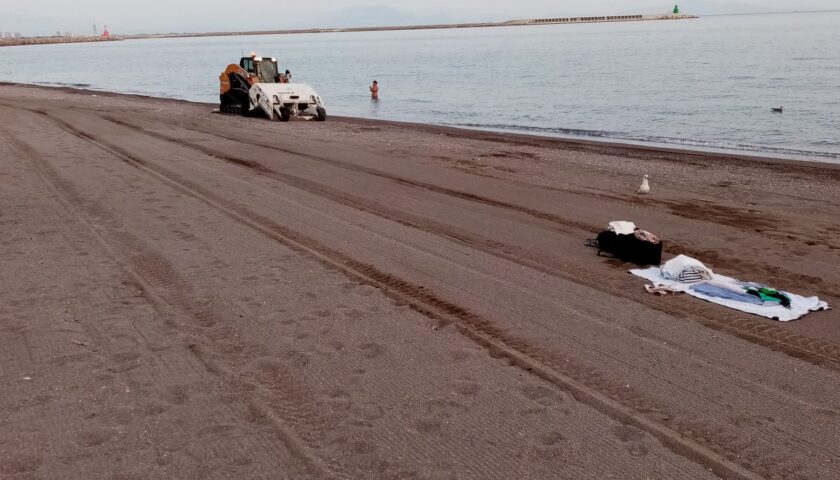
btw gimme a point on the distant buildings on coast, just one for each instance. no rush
(8, 39)
(64, 38)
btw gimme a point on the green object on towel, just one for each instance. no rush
(770, 295)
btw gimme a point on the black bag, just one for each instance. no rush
(629, 248)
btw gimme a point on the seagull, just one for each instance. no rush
(644, 188)
(778, 109)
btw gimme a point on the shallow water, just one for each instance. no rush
(708, 82)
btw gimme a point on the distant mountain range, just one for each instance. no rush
(370, 16)
(373, 16)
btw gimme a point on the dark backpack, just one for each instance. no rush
(629, 248)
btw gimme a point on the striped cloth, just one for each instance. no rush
(685, 269)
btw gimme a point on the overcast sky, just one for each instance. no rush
(134, 16)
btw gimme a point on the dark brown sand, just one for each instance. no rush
(190, 295)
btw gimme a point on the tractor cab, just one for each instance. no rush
(264, 69)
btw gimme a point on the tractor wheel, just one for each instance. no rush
(320, 114)
(229, 108)
(285, 114)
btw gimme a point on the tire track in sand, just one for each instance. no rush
(689, 427)
(151, 275)
(812, 350)
(557, 220)
(483, 332)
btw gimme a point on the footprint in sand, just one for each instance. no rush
(551, 439)
(752, 421)
(366, 290)
(219, 264)
(154, 409)
(428, 426)
(462, 354)
(353, 447)
(543, 395)
(371, 350)
(176, 395)
(232, 347)
(626, 433)
(634, 438)
(338, 399)
(217, 430)
(206, 319)
(467, 388)
(94, 438)
(297, 358)
(125, 356)
(442, 408)
(354, 314)
(368, 411)
(20, 463)
(638, 449)
(241, 462)
(163, 458)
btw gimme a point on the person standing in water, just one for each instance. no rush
(374, 90)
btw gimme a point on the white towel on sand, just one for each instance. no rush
(799, 306)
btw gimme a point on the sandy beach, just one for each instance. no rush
(191, 295)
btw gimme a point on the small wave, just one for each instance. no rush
(532, 129)
(63, 84)
(652, 139)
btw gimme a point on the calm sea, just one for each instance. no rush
(704, 83)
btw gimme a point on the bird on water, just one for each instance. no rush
(778, 109)
(644, 188)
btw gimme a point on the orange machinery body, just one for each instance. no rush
(224, 78)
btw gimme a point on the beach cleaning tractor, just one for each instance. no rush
(256, 86)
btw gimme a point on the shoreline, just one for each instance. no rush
(520, 138)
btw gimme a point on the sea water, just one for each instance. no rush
(709, 82)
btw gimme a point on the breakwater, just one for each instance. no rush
(509, 23)
(598, 19)
(13, 42)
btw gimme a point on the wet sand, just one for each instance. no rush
(191, 295)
